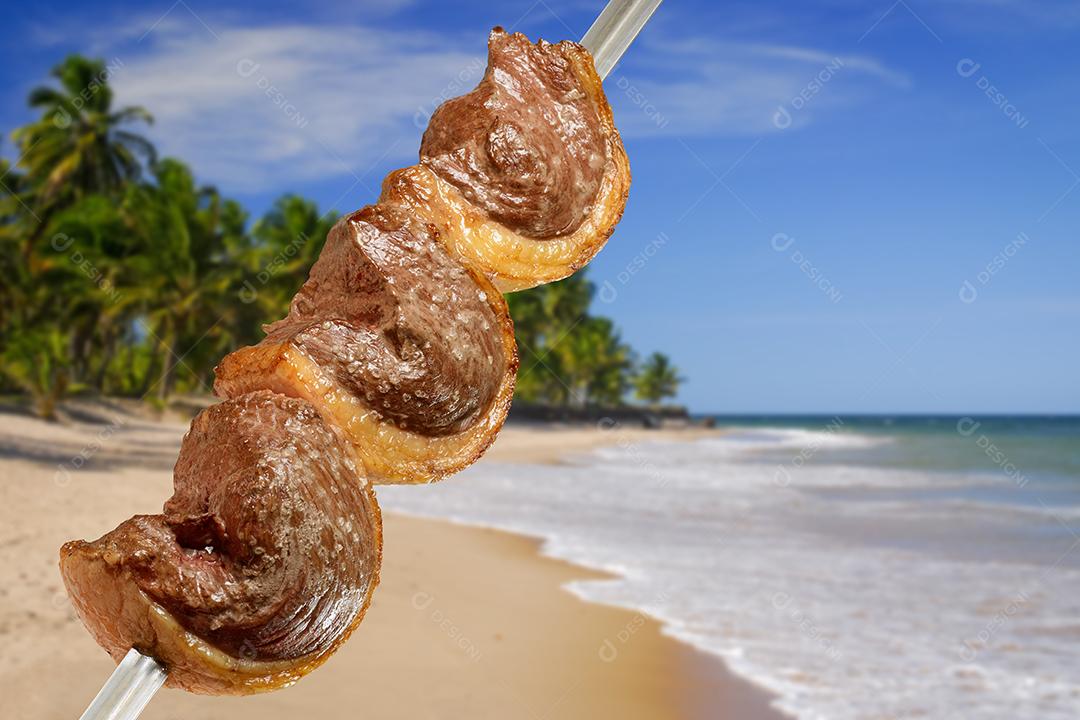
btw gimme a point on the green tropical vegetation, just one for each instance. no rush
(121, 274)
(656, 379)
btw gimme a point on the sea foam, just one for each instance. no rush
(849, 592)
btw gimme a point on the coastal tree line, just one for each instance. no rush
(121, 274)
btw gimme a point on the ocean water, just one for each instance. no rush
(857, 567)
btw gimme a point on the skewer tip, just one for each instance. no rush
(613, 31)
(128, 689)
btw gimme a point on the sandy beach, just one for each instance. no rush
(468, 622)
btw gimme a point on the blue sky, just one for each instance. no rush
(837, 205)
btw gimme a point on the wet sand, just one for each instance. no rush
(468, 622)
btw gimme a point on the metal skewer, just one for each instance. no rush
(128, 689)
(138, 676)
(612, 32)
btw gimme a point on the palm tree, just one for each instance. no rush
(545, 318)
(657, 379)
(33, 345)
(86, 263)
(143, 273)
(75, 151)
(182, 267)
(286, 242)
(35, 359)
(80, 145)
(12, 227)
(596, 362)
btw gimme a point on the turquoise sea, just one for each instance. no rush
(1044, 448)
(856, 566)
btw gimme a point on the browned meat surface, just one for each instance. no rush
(396, 363)
(258, 567)
(526, 145)
(397, 322)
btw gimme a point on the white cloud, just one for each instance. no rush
(255, 108)
(702, 86)
(261, 108)
(96, 38)
(810, 57)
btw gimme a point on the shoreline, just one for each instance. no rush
(711, 690)
(705, 688)
(469, 619)
(716, 691)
